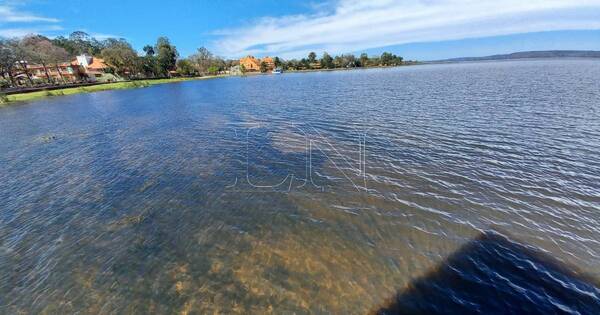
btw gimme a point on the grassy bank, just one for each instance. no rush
(7, 99)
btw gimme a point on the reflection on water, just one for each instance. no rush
(307, 193)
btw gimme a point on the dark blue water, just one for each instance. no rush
(465, 188)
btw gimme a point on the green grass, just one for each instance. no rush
(7, 99)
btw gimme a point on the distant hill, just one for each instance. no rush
(532, 54)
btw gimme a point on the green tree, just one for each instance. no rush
(364, 60)
(218, 63)
(57, 55)
(338, 61)
(312, 57)
(37, 49)
(304, 64)
(386, 59)
(22, 54)
(166, 55)
(213, 70)
(202, 60)
(185, 67)
(120, 56)
(264, 67)
(350, 61)
(399, 60)
(149, 66)
(65, 43)
(327, 61)
(79, 43)
(291, 64)
(8, 58)
(149, 50)
(389, 59)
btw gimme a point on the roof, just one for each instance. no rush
(249, 59)
(250, 63)
(35, 66)
(97, 63)
(49, 66)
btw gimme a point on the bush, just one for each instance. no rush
(4, 83)
(3, 98)
(213, 70)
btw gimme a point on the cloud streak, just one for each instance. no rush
(17, 23)
(20, 32)
(356, 25)
(9, 15)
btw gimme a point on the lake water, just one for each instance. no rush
(467, 188)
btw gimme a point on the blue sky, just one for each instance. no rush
(415, 29)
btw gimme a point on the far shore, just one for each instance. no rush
(356, 68)
(29, 96)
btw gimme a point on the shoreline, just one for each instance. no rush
(354, 68)
(10, 99)
(31, 96)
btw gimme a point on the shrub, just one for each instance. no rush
(38, 81)
(4, 83)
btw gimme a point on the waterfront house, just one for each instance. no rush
(66, 72)
(60, 72)
(93, 67)
(250, 63)
(270, 63)
(83, 67)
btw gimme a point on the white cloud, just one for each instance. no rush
(359, 25)
(16, 32)
(102, 36)
(23, 31)
(8, 14)
(18, 23)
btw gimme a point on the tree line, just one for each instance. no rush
(16, 54)
(157, 61)
(340, 61)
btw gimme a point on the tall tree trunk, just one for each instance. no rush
(24, 66)
(8, 74)
(60, 74)
(12, 79)
(47, 75)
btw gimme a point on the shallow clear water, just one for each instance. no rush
(334, 192)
